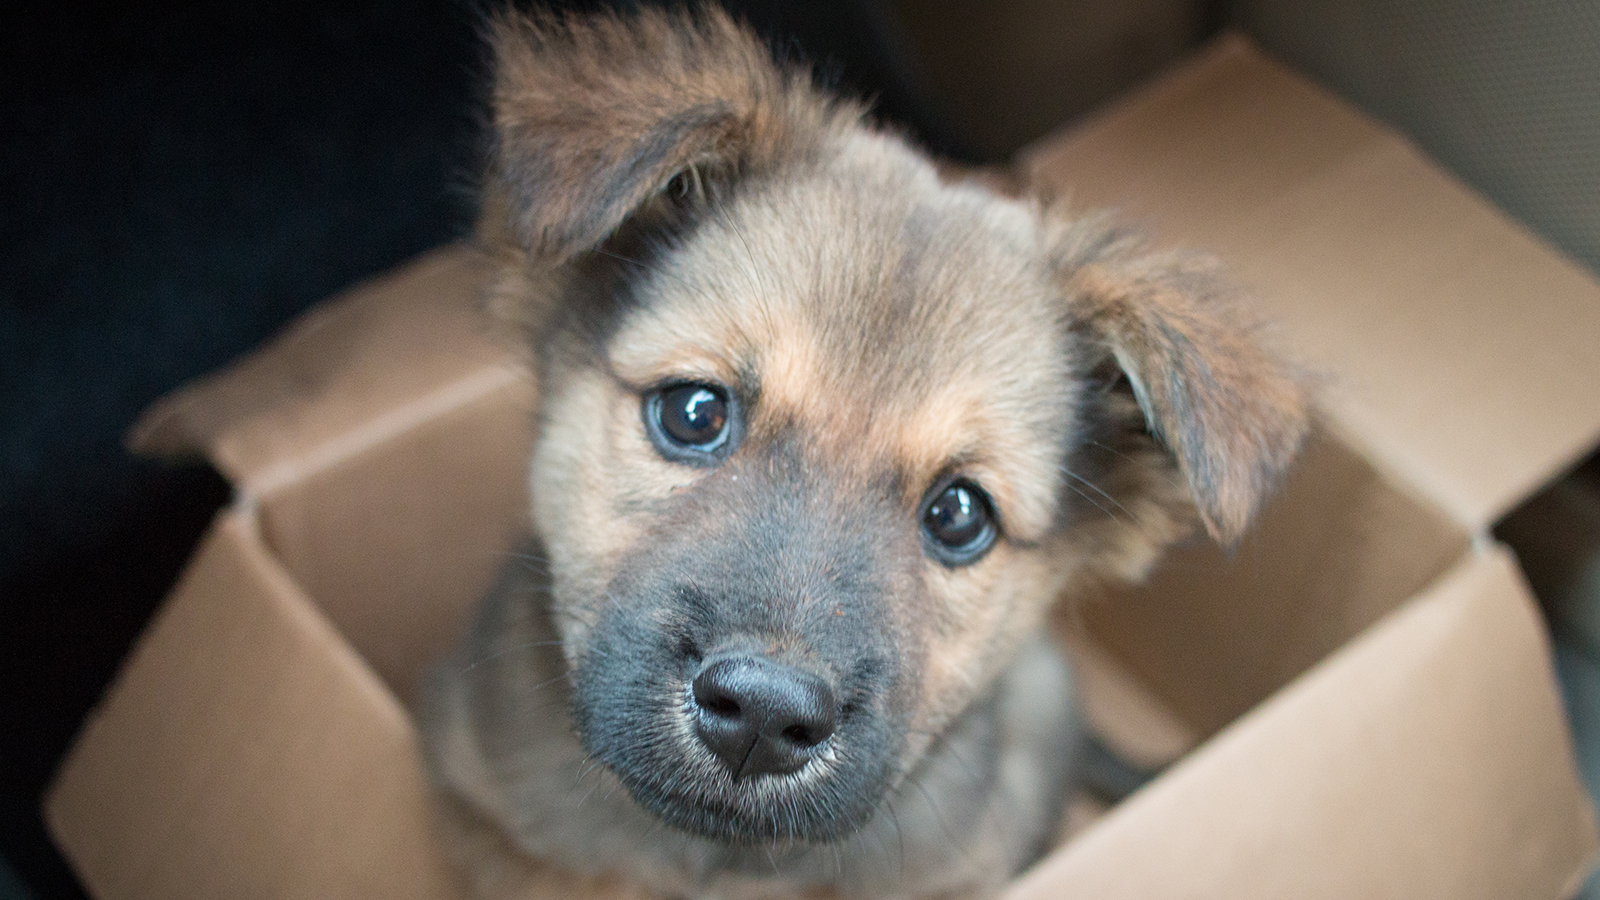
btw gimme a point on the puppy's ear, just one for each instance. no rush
(1230, 412)
(595, 115)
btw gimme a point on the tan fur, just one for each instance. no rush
(578, 109)
(1228, 410)
(892, 325)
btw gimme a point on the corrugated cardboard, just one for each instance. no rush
(1366, 680)
(1462, 349)
(1414, 762)
(247, 751)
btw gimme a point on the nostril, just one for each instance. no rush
(799, 734)
(716, 693)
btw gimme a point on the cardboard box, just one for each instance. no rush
(1366, 680)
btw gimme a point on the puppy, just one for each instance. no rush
(821, 439)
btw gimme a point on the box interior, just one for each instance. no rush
(397, 542)
(1214, 632)
(1556, 536)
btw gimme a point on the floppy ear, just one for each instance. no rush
(595, 115)
(1230, 412)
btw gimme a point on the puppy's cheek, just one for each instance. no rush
(571, 482)
(984, 613)
(596, 482)
(1155, 511)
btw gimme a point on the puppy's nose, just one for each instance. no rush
(761, 717)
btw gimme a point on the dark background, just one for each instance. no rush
(176, 180)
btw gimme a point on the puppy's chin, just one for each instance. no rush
(639, 726)
(803, 807)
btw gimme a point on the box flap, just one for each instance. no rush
(1460, 350)
(1214, 632)
(397, 569)
(246, 751)
(388, 354)
(1427, 759)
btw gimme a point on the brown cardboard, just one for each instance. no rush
(1461, 349)
(246, 751)
(348, 375)
(399, 594)
(1415, 762)
(1366, 681)
(1215, 633)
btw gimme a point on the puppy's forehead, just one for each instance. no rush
(893, 321)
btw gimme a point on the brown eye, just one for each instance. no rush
(959, 523)
(690, 421)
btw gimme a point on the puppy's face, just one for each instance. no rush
(822, 437)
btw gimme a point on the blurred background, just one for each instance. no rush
(178, 180)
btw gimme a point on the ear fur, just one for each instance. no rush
(1231, 413)
(593, 115)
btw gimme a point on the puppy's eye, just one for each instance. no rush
(683, 188)
(695, 415)
(689, 421)
(959, 523)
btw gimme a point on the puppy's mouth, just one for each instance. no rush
(739, 747)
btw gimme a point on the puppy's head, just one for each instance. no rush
(822, 437)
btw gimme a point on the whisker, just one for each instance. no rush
(491, 657)
(755, 268)
(584, 800)
(1097, 489)
(590, 764)
(576, 614)
(1110, 449)
(938, 816)
(861, 837)
(1092, 501)
(549, 681)
(695, 289)
(991, 810)
(899, 833)
(654, 270)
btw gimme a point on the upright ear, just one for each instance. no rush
(595, 115)
(1230, 412)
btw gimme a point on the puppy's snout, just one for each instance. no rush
(761, 717)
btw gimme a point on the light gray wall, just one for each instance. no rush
(1505, 93)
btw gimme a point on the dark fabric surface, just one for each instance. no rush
(177, 180)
